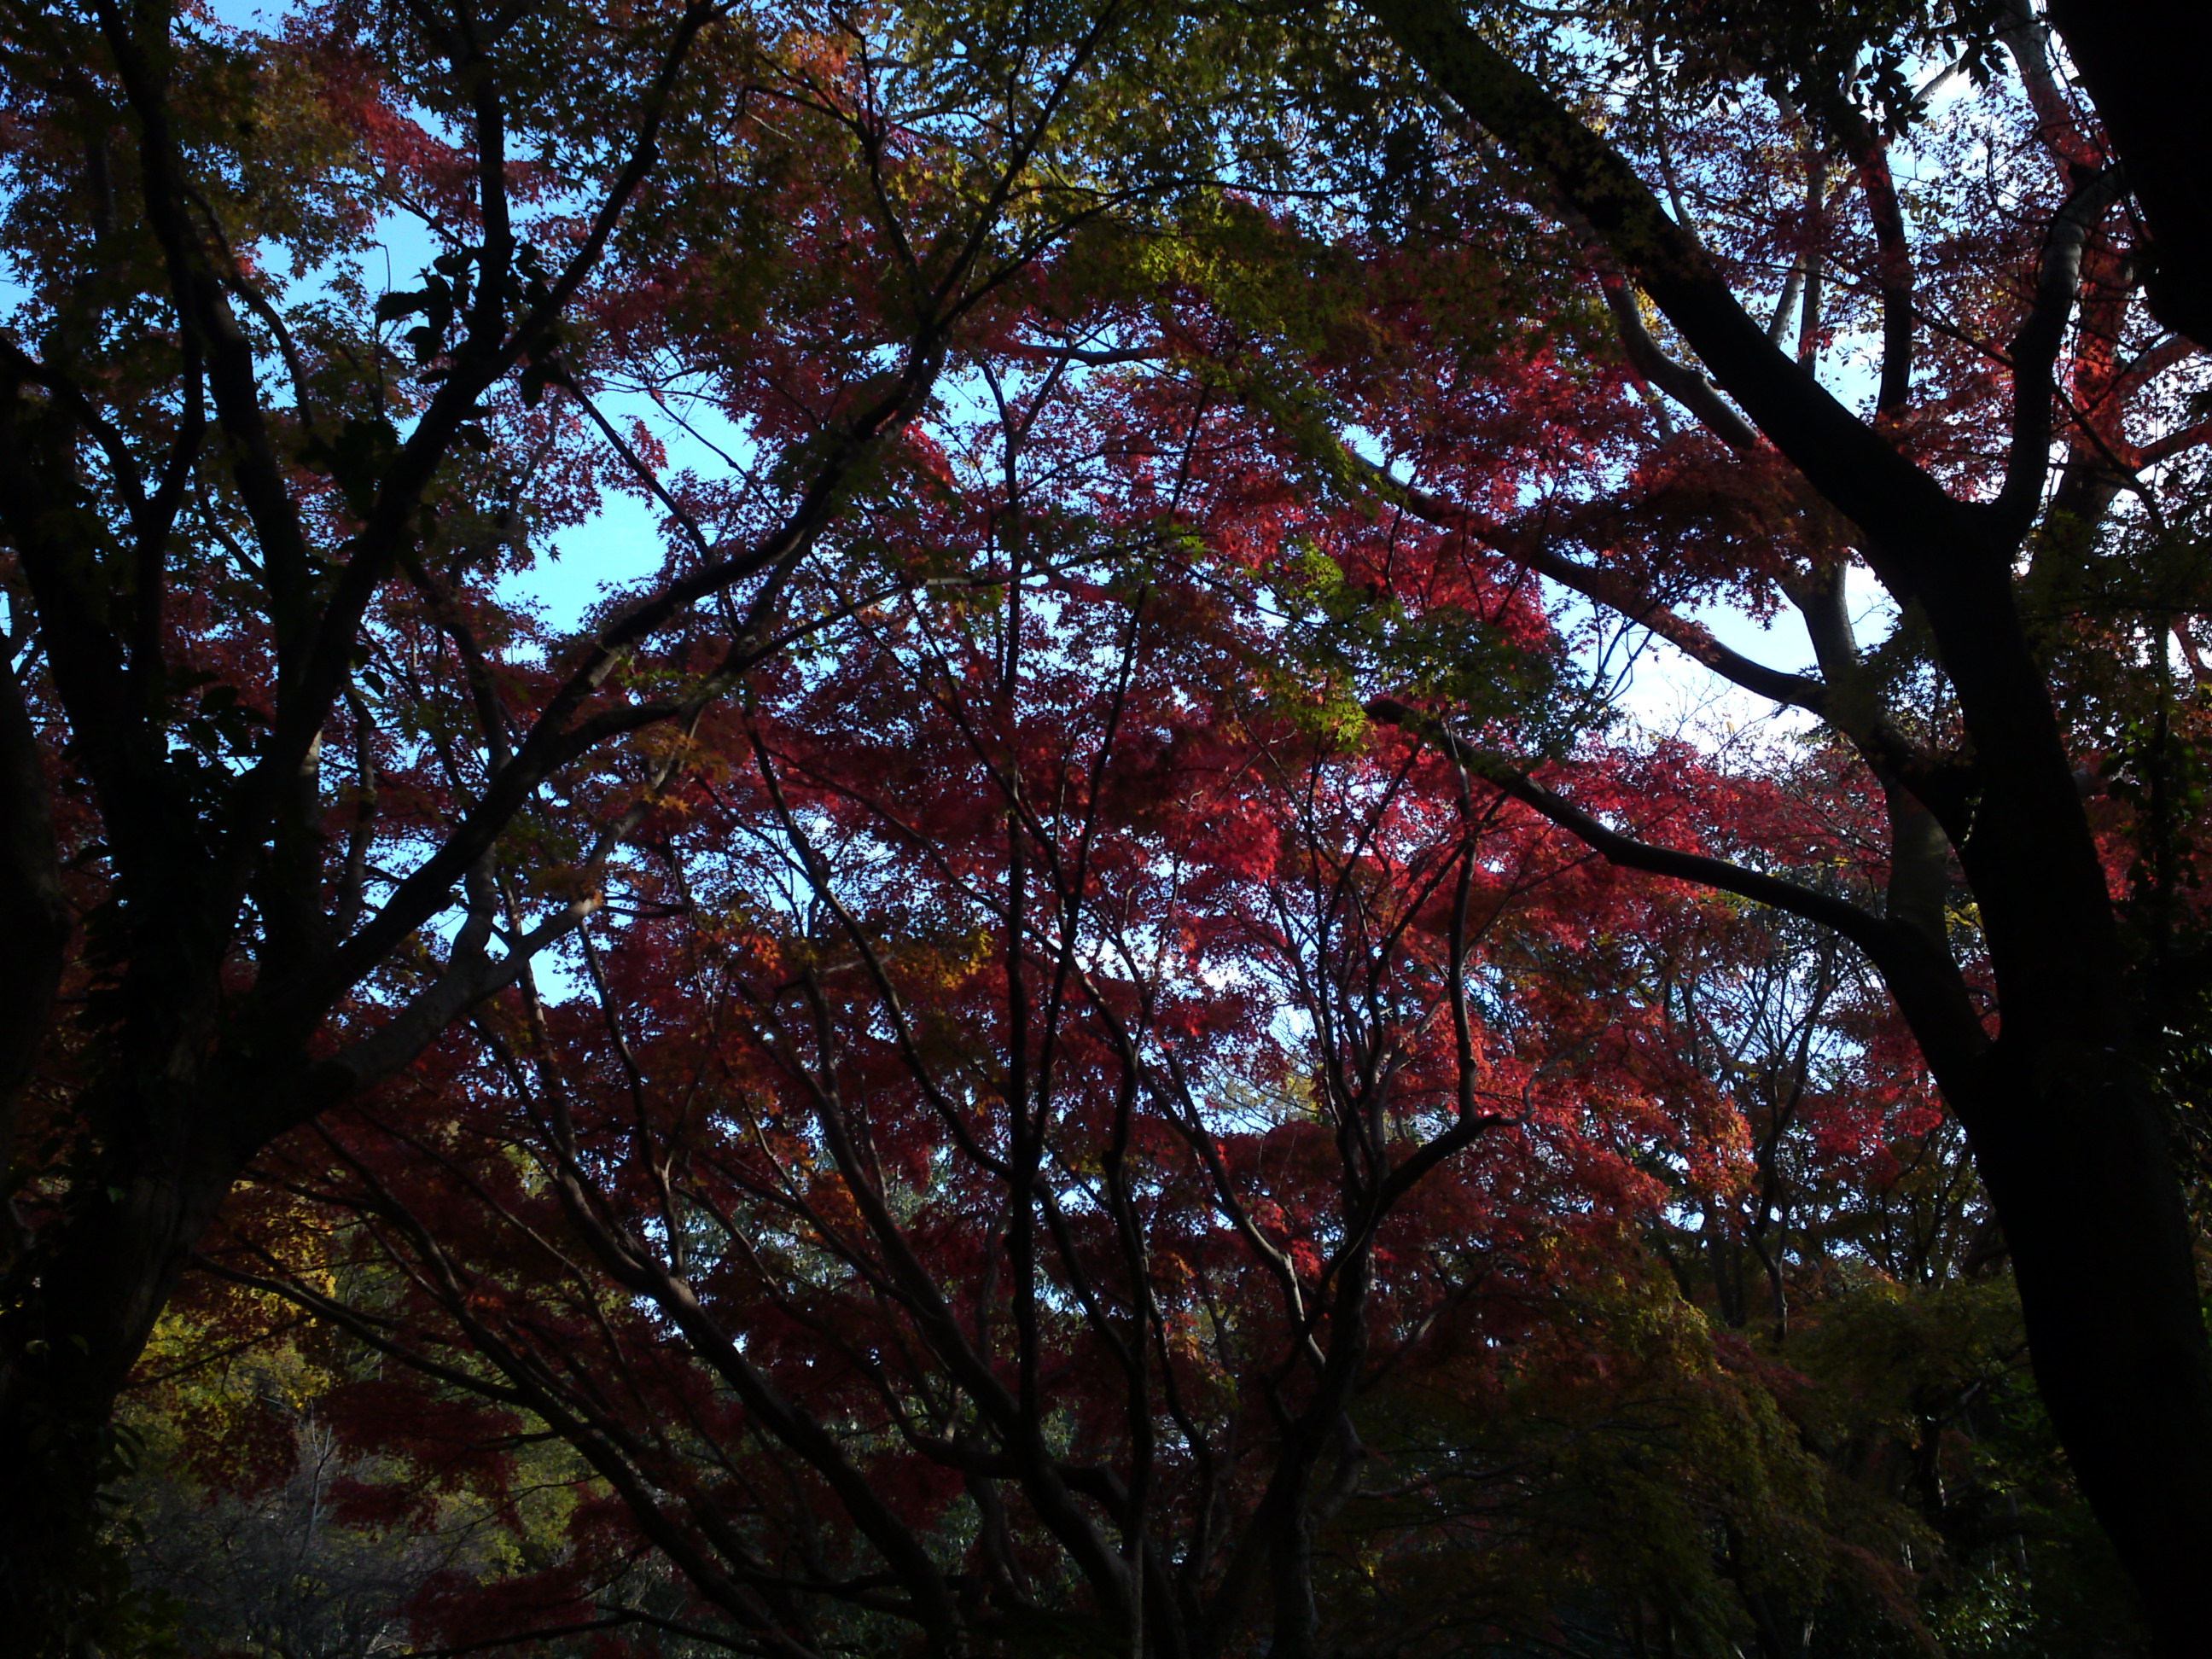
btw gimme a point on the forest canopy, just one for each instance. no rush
(842, 830)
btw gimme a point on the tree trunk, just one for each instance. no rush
(2069, 1139)
(95, 1291)
(2144, 67)
(2070, 1147)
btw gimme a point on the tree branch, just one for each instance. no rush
(1526, 548)
(2035, 348)
(1893, 501)
(1926, 984)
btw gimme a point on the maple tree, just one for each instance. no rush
(1047, 1079)
(785, 1137)
(288, 766)
(2004, 485)
(1024, 1072)
(1072, 1141)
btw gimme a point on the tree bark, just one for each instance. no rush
(2144, 66)
(87, 1299)
(2070, 1141)
(2068, 1147)
(34, 912)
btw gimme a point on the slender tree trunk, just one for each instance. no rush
(34, 912)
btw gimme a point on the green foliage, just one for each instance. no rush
(1620, 1472)
(240, 1528)
(1626, 1475)
(1338, 638)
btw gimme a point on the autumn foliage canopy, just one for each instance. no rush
(870, 830)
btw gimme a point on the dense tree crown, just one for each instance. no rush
(1084, 1025)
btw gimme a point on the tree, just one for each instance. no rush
(1000, 1146)
(1070, 1141)
(708, 1223)
(286, 763)
(1983, 547)
(248, 534)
